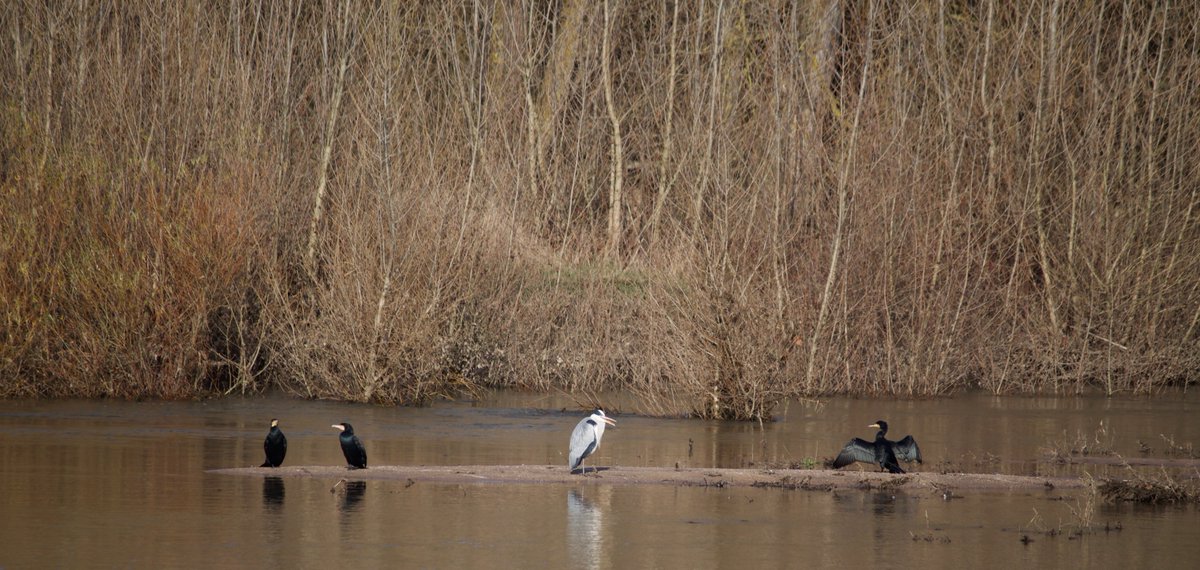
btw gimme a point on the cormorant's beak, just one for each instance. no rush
(609, 421)
(274, 423)
(874, 425)
(338, 427)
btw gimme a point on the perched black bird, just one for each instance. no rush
(275, 446)
(881, 452)
(352, 448)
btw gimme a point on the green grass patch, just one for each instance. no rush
(581, 276)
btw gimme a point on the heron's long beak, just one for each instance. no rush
(610, 421)
(874, 425)
(338, 427)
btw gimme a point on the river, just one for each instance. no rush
(125, 484)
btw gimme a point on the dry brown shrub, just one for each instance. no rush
(401, 201)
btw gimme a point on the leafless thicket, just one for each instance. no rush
(715, 205)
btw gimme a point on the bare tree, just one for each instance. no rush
(617, 157)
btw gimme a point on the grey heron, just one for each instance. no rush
(586, 438)
(352, 448)
(275, 446)
(880, 452)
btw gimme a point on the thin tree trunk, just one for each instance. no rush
(664, 185)
(323, 169)
(616, 173)
(556, 79)
(714, 89)
(824, 22)
(842, 214)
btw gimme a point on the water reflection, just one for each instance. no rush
(880, 502)
(272, 494)
(351, 494)
(84, 480)
(883, 503)
(585, 527)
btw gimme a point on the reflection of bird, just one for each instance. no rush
(354, 494)
(275, 446)
(880, 452)
(585, 528)
(273, 492)
(586, 438)
(352, 448)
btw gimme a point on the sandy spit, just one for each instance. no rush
(795, 479)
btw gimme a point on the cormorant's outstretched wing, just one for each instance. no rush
(907, 450)
(583, 442)
(856, 450)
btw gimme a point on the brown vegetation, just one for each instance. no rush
(715, 205)
(1068, 448)
(1154, 490)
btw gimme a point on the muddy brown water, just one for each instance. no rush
(103, 484)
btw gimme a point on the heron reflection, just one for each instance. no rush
(585, 527)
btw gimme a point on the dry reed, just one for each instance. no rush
(716, 205)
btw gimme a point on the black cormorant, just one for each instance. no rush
(586, 438)
(275, 446)
(881, 452)
(352, 448)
